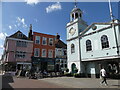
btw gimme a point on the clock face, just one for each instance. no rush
(72, 31)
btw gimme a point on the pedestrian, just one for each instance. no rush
(103, 75)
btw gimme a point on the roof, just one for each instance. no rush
(19, 35)
(106, 23)
(60, 44)
(75, 9)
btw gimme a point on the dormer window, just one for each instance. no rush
(20, 35)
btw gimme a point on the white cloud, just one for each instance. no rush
(53, 7)
(15, 25)
(1, 47)
(21, 22)
(32, 2)
(3, 35)
(10, 27)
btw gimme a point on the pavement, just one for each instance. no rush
(59, 82)
(72, 82)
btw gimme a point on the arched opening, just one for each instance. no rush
(72, 16)
(104, 42)
(76, 15)
(72, 48)
(80, 15)
(73, 68)
(88, 45)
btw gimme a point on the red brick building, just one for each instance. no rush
(43, 51)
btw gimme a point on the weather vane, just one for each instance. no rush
(75, 3)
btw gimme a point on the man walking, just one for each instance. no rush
(103, 75)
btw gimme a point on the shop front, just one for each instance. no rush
(112, 67)
(43, 64)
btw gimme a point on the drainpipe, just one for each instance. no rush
(116, 38)
(80, 53)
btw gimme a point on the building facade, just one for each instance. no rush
(90, 47)
(17, 52)
(43, 57)
(60, 54)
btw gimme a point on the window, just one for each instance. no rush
(20, 35)
(24, 44)
(36, 52)
(60, 52)
(72, 48)
(21, 44)
(65, 52)
(20, 54)
(43, 52)
(18, 43)
(50, 41)
(37, 39)
(104, 42)
(88, 45)
(44, 41)
(50, 54)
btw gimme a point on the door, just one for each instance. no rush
(73, 67)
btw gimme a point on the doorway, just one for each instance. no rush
(73, 67)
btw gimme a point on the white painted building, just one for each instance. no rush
(60, 54)
(90, 47)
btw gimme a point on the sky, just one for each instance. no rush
(48, 17)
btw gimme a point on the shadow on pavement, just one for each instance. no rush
(116, 85)
(5, 82)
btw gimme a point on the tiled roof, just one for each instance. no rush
(19, 35)
(60, 44)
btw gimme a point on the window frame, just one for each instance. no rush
(36, 39)
(35, 49)
(45, 53)
(44, 39)
(104, 42)
(50, 41)
(72, 48)
(88, 45)
(50, 53)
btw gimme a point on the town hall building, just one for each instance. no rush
(93, 46)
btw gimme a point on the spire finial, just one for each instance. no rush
(110, 7)
(75, 3)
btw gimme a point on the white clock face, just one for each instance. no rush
(72, 31)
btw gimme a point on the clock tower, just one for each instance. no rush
(74, 27)
(76, 24)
